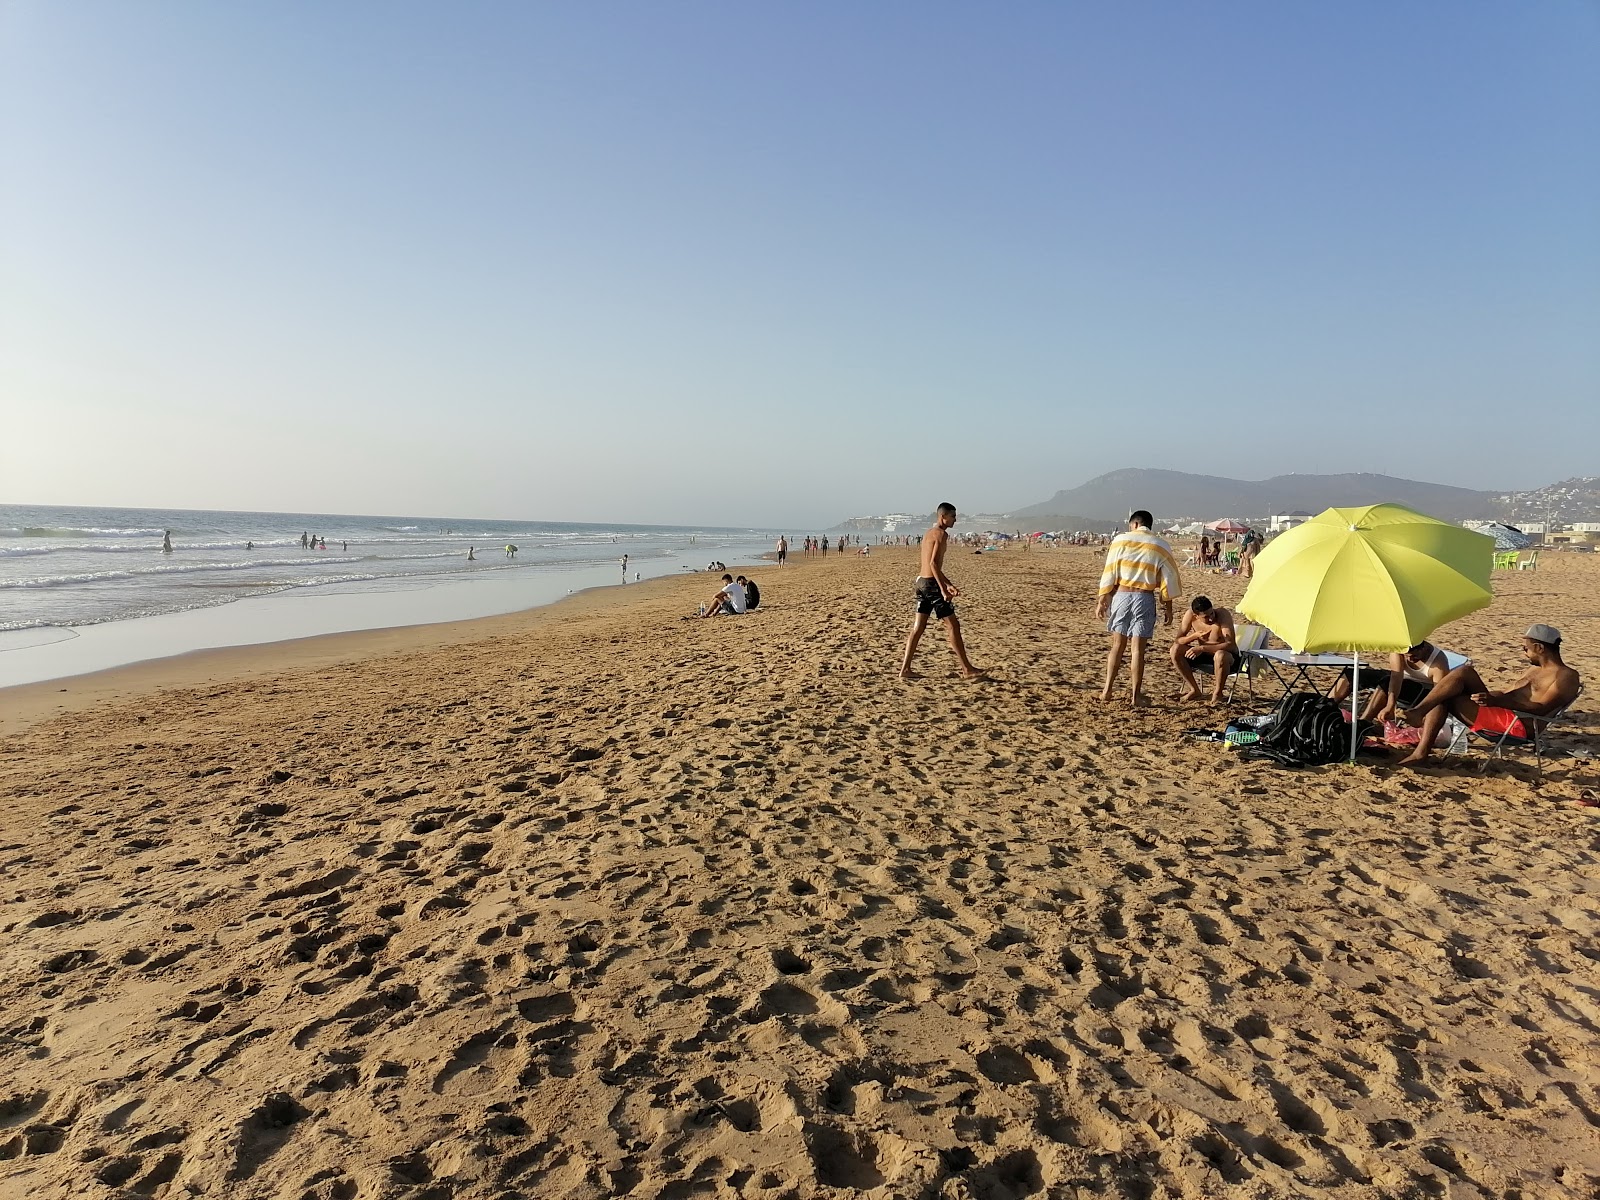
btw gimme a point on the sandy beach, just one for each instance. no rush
(594, 901)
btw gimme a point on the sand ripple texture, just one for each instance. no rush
(621, 905)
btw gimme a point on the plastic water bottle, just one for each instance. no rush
(702, 610)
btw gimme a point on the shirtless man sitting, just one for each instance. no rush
(1409, 678)
(1548, 687)
(1205, 642)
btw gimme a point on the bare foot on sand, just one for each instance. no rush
(1105, 696)
(1412, 760)
(977, 673)
(1185, 697)
(909, 675)
(1138, 700)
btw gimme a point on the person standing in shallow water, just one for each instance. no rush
(935, 596)
(166, 542)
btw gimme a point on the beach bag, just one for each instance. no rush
(1311, 731)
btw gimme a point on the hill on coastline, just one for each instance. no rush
(1167, 494)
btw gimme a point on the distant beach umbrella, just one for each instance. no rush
(1506, 537)
(1228, 525)
(1368, 580)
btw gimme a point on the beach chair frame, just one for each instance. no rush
(1248, 638)
(1500, 743)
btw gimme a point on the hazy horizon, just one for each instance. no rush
(825, 522)
(668, 265)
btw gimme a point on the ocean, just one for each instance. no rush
(72, 567)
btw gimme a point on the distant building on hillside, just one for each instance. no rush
(1279, 522)
(1579, 533)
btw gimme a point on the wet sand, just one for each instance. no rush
(599, 902)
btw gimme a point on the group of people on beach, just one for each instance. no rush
(1140, 570)
(815, 545)
(735, 598)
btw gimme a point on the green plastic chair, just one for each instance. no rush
(1505, 560)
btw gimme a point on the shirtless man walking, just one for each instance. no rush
(1548, 687)
(936, 595)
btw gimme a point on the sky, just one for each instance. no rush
(778, 264)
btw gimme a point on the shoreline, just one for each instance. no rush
(24, 705)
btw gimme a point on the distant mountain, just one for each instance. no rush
(1171, 494)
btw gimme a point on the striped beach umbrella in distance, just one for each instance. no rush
(1372, 580)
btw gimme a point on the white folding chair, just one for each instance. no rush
(1249, 638)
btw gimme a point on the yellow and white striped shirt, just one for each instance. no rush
(1140, 561)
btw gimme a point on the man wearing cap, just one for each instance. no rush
(1547, 688)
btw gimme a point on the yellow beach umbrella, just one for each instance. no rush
(1374, 579)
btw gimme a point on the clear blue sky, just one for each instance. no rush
(779, 264)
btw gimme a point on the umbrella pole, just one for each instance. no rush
(1355, 699)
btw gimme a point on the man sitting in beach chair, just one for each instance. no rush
(1545, 690)
(729, 599)
(1206, 642)
(1409, 678)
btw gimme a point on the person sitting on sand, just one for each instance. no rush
(1406, 682)
(1548, 687)
(1205, 642)
(752, 594)
(935, 596)
(729, 599)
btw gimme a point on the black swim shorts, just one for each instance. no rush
(1412, 691)
(1207, 663)
(931, 600)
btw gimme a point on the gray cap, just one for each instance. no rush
(1548, 634)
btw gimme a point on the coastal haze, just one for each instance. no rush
(379, 872)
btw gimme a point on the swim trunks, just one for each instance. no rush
(1412, 691)
(1207, 663)
(1500, 721)
(931, 600)
(1133, 614)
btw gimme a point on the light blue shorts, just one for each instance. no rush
(1133, 614)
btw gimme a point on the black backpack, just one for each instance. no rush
(1311, 731)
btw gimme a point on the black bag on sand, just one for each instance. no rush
(1311, 731)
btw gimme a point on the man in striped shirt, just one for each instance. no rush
(1139, 566)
